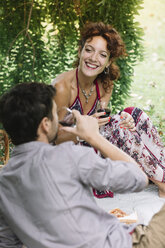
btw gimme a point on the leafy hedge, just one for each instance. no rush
(39, 38)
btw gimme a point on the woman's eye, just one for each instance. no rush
(103, 55)
(88, 50)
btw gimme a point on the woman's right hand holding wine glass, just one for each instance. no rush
(103, 115)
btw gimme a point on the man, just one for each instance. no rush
(45, 195)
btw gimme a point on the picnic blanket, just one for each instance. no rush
(145, 203)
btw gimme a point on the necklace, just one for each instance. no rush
(85, 94)
(83, 91)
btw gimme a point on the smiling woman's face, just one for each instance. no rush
(94, 56)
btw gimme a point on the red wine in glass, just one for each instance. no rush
(66, 124)
(68, 120)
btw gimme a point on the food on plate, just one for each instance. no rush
(118, 212)
(123, 217)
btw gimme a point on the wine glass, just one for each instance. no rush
(103, 107)
(68, 120)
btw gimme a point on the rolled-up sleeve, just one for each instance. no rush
(105, 174)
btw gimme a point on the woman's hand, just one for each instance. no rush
(101, 121)
(127, 121)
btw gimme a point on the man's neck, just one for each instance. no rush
(43, 138)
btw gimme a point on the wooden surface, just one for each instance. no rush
(4, 146)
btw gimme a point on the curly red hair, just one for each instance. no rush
(115, 45)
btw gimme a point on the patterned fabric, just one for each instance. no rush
(144, 145)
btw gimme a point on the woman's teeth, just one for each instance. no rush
(92, 66)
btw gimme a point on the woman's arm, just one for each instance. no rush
(62, 99)
(126, 119)
(105, 96)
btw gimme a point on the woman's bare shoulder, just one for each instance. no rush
(64, 79)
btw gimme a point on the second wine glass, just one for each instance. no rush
(103, 107)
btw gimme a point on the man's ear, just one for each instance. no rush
(45, 125)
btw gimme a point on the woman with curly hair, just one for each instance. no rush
(92, 82)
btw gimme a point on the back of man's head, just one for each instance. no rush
(23, 107)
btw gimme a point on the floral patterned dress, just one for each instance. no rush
(144, 144)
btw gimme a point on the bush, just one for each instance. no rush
(39, 39)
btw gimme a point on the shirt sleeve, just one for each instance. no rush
(7, 237)
(105, 174)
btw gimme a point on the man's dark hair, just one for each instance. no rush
(23, 107)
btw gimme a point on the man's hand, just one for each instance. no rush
(86, 126)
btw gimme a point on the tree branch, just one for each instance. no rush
(28, 35)
(11, 44)
(29, 18)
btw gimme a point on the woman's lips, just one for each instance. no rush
(91, 66)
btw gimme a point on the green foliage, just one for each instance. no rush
(39, 38)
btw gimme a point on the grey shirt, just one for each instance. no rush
(46, 197)
(7, 237)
